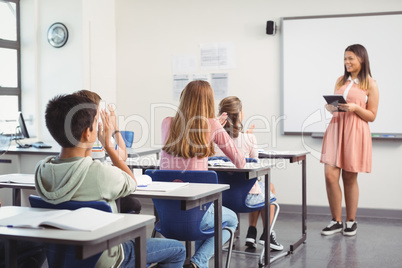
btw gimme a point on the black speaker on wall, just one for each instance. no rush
(271, 27)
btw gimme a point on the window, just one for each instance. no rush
(10, 57)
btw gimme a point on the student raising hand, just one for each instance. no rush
(106, 130)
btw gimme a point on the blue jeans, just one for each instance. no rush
(205, 249)
(168, 253)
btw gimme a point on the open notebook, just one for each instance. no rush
(145, 183)
(160, 186)
(18, 178)
(82, 219)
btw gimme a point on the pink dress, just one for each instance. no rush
(217, 134)
(347, 141)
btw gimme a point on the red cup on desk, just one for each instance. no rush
(128, 137)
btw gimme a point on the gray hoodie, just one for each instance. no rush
(83, 179)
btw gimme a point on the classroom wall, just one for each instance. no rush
(47, 71)
(88, 60)
(147, 35)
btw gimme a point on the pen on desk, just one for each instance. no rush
(10, 226)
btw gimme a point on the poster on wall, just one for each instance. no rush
(180, 81)
(217, 56)
(219, 82)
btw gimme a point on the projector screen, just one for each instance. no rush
(312, 60)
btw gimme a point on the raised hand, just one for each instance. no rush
(223, 119)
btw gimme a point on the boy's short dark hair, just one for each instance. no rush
(67, 116)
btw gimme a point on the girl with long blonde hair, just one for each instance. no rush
(188, 140)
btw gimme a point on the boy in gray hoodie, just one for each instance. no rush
(72, 121)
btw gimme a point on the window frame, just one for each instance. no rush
(16, 45)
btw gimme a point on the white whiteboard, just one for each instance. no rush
(312, 60)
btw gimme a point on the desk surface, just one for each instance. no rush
(136, 152)
(153, 163)
(121, 227)
(249, 167)
(282, 154)
(191, 191)
(55, 150)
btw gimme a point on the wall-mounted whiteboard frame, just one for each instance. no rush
(312, 51)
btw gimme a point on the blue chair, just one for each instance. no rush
(62, 255)
(235, 197)
(128, 137)
(176, 223)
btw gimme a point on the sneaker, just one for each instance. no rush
(273, 243)
(350, 228)
(333, 228)
(189, 265)
(251, 237)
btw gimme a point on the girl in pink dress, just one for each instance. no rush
(347, 145)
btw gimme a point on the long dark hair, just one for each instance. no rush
(365, 72)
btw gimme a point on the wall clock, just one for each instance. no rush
(57, 34)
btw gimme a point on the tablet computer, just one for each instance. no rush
(334, 100)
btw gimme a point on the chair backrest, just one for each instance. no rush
(37, 202)
(176, 223)
(128, 137)
(240, 186)
(61, 255)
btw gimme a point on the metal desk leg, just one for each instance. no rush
(267, 227)
(304, 209)
(140, 249)
(11, 253)
(16, 197)
(218, 231)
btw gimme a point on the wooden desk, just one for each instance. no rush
(294, 157)
(86, 243)
(194, 195)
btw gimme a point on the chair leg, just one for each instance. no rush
(231, 239)
(188, 250)
(261, 262)
(237, 231)
(153, 233)
(275, 216)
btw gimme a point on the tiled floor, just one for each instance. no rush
(377, 244)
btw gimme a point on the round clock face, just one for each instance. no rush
(57, 35)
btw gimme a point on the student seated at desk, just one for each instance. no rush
(188, 140)
(246, 142)
(74, 175)
(128, 204)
